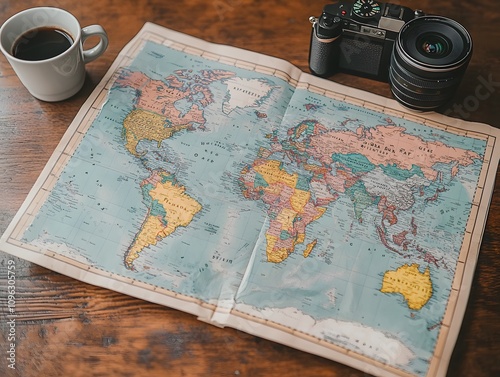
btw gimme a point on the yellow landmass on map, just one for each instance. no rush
(145, 125)
(292, 214)
(285, 217)
(309, 248)
(416, 287)
(178, 210)
(147, 236)
(274, 254)
(299, 199)
(272, 173)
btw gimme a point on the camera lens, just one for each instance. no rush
(429, 60)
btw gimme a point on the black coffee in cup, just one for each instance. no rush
(41, 43)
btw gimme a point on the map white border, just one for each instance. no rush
(456, 306)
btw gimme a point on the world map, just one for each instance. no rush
(239, 189)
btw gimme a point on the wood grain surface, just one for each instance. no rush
(68, 328)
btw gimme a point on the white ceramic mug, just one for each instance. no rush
(61, 76)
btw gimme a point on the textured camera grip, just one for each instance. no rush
(322, 60)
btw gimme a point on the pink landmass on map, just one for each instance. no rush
(387, 145)
(160, 96)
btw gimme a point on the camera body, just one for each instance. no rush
(423, 57)
(357, 38)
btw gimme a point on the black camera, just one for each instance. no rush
(423, 57)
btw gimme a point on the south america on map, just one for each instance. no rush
(230, 186)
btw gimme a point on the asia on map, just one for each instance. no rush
(259, 197)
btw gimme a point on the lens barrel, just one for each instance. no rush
(429, 60)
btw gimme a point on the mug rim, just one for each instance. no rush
(11, 19)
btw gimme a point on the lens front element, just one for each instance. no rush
(433, 46)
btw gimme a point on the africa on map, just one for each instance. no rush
(245, 190)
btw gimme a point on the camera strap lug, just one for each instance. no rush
(313, 20)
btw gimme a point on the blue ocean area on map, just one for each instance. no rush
(229, 185)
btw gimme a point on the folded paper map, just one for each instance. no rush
(233, 186)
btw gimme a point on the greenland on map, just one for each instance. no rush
(234, 187)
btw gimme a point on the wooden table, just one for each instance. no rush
(68, 328)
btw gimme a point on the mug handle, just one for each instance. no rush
(96, 51)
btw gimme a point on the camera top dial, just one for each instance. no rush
(365, 9)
